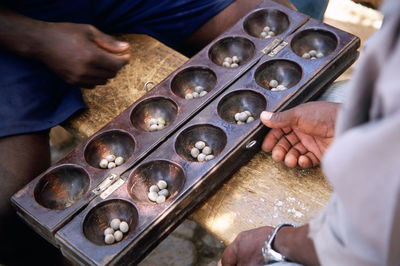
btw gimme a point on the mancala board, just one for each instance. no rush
(73, 202)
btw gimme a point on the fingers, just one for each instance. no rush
(279, 120)
(110, 62)
(229, 256)
(108, 43)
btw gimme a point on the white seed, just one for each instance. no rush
(243, 116)
(111, 165)
(250, 119)
(234, 65)
(162, 184)
(110, 158)
(312, 53)
(152, 196)
(247, 113)
(228, 59)
(201, 157)
(115, 223)
(313, 58)
(271, 33)
(306, 56)
(274, 89)
(237, 115)
(153, 127)
(240, 123)
(109, 239)
(195, 94)
(153, 121)
(108, 230)
(235, 59)
(263, 34)
(119, 160)
(198, 89)
(267, 28)
(226, 64)
(273, 83)
(281, 87)
(188, 96)
(163, 192)
(160, 199)
(161, 121)
(154, 188)
(209, 157)
(118, 235)
(320, 55)
(103, 163)
(194, 152)
(124, 227)
(200, 144)
(206, 150)
(160, 127)
(203, 93)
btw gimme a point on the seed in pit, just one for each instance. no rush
(234, 65)
(153, 127)
(110, 157)
(152, 196)
(206, 150)
(109, 239)
(108, 230)
(163, 192)
(162, 184)
(273, 83)
(228, 59)
(161, 121)
(242, 116)
(153, 121)
(195, 95)
(281, 87)
(320, 55)
(194, 152)
(118, 235)
(306, 56)
(312, 53)
(271, 33)
(313, 58)
(267, 29)
(209, 157)
(201, 157)
(247, 113)
(226, 64)
(115, 223)
(160, 127)
(119, 160)
(202, 93)
(160, 199)
(263, 34)
(235, 59)
(240, 123)
(189, 96)
(103, 163)
(198, 89)
(200, 144)
(124, 227)
(250, 119)
(154, 188)
(111, 165)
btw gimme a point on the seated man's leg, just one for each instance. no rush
(22, 157)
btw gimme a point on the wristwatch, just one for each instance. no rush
(270, 255)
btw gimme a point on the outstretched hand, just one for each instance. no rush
(301, 135)
(81, 54)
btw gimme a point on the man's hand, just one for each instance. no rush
(246, 248)
(81, 54)
(78, 53)
(301, 135)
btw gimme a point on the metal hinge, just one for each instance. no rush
(271, 46)
(108, 186)
(277, 49)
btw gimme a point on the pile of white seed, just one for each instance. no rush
(198, 91)
(156, 124)
(158, 193)
(201, 151)
(313, 54)
(231, 62)
(275, 86)
(267, 33)
(111, 161)
(244, 117)
(115, 232)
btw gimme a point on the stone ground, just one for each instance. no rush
(189, 244)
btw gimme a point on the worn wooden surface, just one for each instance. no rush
(260, 193)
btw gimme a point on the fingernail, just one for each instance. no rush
(266, 115)
(123, 44)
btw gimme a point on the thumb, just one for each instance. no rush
(109, 43)
(280, 119)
